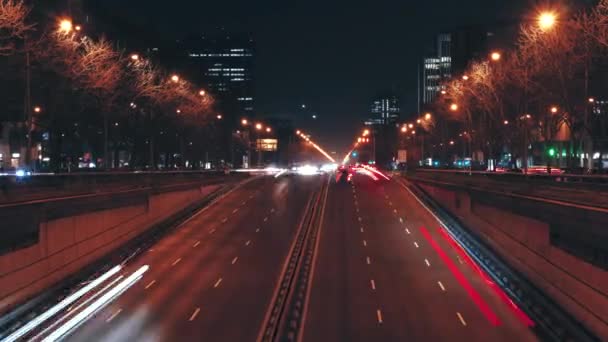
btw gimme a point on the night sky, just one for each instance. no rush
(334, 57)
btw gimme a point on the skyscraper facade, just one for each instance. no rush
(225, 64)
(385, 109)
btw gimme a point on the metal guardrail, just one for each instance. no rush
(553, 323)
(286, 312)
(558, 178)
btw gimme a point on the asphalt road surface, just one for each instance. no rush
(213, 278)
(385, 272)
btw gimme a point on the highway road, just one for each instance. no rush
(213, 278)
(385, 272)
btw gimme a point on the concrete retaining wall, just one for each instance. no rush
(67, 244)
(524, 242)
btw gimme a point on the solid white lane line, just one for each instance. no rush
(235, 210)
(247, 243)
(427, 262)
(196, 243)
(461, 319)
(364, 243)
(217, 283)
(407, 230)
(441, 285)
(234, 260)
(369, 261)
(373, 284)
(113, 315)
(379, 316)
(150, 284)
(176, 261)
(416, 244)
(194, 314)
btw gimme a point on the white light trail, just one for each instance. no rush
(98, 304)
(61, 305)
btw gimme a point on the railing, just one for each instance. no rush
(530, 176)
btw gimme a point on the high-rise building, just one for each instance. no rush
(385, 110)
(224, 63)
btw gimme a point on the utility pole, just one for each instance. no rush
(28, 107)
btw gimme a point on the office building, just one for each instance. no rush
(385, 110)
(224, 62)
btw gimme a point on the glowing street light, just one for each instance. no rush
(258, 126)
(298, 132)
(78, 28)
(135, 57)
(178, 111)
(219, 116)
(268, 129)
(202, 93)
(495, 56)
(554, 109)
(37, 109)
(366, 132)
(65, 25)
(451, 142)
(410, 125)
(506, 122)
(465, 77)
(453, 107)
(443, 92)
(404, 129)
(546, 20)
(418, 121)
(428, 116)
(244, 122)
(591, 100)
(175, 78)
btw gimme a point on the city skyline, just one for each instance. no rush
(339, 63)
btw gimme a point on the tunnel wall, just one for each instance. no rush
(73, 234)
(523, 238)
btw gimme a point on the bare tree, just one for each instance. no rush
(13, 26)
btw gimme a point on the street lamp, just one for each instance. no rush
(298, 132)
(453, 107)
(78, 28)
(135, 57)
(258, 126)
(591, 100)
(495, 56)
(418, 121)
(465, 77)
(202, 93)
(175, 78)
(411, 125)
(244, 122)
(506, 122)
(546, 20)
(37, 109)
(451, 142)
(404, 129)
(554, 109)
(268, 129)
(428, 116)
(65, 25)
(366, 132)
(219, 116)
(178, 111)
